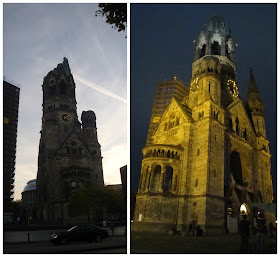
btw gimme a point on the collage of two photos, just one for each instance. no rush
(134, 128)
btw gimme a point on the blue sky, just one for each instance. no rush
(36, 37)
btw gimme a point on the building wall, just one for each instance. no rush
(69, 152)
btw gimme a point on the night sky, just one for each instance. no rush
(162, 46)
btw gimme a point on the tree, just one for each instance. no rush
(115, 15)
(94, 202)
(115, 204)
(87, 201)
(16, 207)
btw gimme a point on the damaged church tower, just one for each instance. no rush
(69, 152)
(207, 157)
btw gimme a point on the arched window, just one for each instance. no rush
(73, 184)
(236, 168)
(167, 183)
(168, 154)
(215, 48)
(196, 183)
(230, 123)
(146, 175)
(156, 179)
(202, 51)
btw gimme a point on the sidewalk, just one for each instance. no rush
(49, 248)
(118, 231)
(44, 235)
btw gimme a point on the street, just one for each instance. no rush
(109, 245)
(44, 235)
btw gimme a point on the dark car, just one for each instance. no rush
(80, 233)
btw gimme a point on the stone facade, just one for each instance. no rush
(69, 152)
(207, 155)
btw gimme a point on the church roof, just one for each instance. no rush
(66, 139)
(217, 24)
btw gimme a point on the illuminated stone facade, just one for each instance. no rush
(69, 152)
(207, 154)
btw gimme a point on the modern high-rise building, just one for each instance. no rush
(69, 152)
(11, 94)
(207, 158)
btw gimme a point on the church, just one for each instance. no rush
(207, 158)
(69, 151)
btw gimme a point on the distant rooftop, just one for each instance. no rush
(10, 81)
(31, 185)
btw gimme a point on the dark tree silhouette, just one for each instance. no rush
(115, 15)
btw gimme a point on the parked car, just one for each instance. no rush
(80, 233)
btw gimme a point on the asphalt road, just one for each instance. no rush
(109, 245)
(44, 235)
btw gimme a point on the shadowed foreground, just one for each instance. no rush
(165, 243)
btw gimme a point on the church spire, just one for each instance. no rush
(254, 98)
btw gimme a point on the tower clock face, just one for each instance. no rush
(232, 88)
(65, 117)
(194, 85)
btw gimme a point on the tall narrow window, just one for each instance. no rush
(167, 184)
(63, 87)
(245, 134)
(237, 126)
(215, 48)
(156, 179)
(202, 51)
(230, 123)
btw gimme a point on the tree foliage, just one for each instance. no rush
(116, 15)
(94, 202)
(16, 207)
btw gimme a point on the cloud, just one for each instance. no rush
(113, 160)
(100, 89)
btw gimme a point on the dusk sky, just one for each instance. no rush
(36, 38)
(162, 46)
